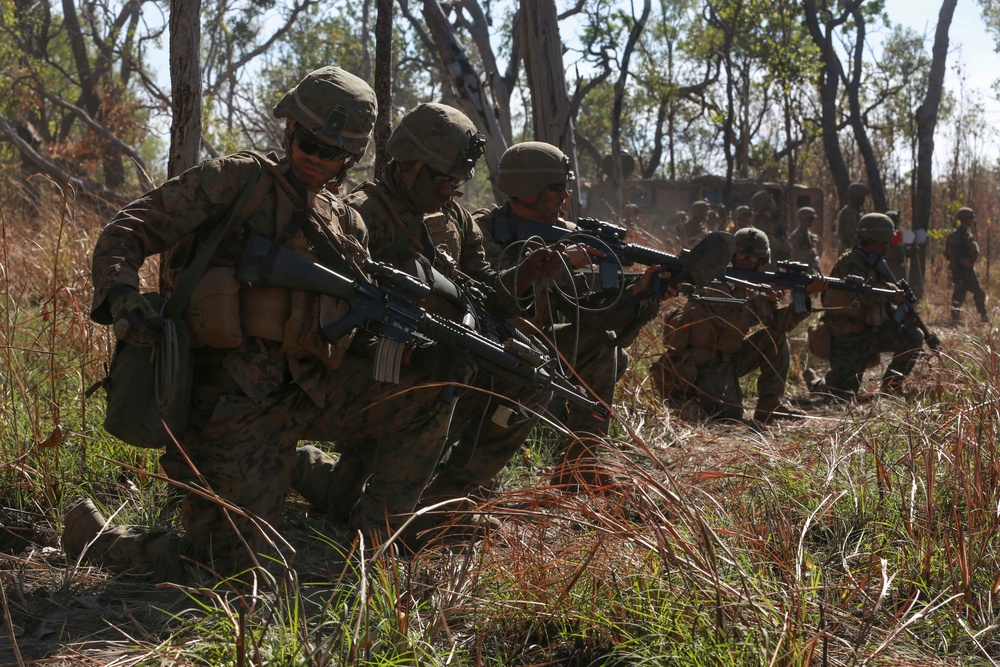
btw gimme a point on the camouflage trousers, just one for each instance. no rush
(851, 354)
(486, 432)
(599, 366)
(242, 451)
(965, 281)
(713, 378)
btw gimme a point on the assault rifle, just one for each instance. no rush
(389, 307)
(698, 265)
(906, 313)
(795, 276)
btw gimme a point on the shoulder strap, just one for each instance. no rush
(397, 247)
(193, 272)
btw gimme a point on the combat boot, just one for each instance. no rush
(81, 526)
(782, 411)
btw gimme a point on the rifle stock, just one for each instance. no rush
(390, 308)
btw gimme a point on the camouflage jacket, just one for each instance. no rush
(858, 310)
(610, 318)
(721, 327)
(961, 249)
(805, 247)
(186, 209)
(847, 226)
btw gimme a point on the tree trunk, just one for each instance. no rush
(927, 115)
(383, 84)
(550, 105)
(185, 85)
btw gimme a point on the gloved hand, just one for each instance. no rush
(135, 320)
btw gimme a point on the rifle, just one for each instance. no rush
(906, 313)
(699, 265)
(795, 276)
(388, 307)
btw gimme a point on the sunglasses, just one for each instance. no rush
(310, 146)
(439, 179)
(556, 187)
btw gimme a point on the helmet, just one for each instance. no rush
(752, 241)
(875, 227)
(965, 215)
(441, 137)
(742, 211)
(807, 212)
(699, 207)
(761, 201)
(894, 216)
(857, 191)
(529, 167)
(336, 107)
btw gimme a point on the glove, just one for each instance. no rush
(135, 320)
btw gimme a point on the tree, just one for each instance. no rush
(185, 85)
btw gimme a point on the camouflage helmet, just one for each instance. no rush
(807, 212)
(752, 241)
(857, 191)
(894, 216)
(529, 167)
(761, 201)
(965, 214)
(699, 207)
(335, 106)
(875, 227)
(441, 137)
(742, 211)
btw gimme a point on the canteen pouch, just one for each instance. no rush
(213, 313)
(137, 407)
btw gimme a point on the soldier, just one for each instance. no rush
(805, 244)
(278, 380)
(895, 259)
(850, 215)
(708, 349)
(762, 204)
(535, 176)
(861, 325)
(742, 217)
(694, 229)
(962, 251)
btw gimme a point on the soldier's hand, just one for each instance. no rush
(134, 319)
(898, 297)
(579, 255)
(646, 280)
(774, 295)
(819, 284)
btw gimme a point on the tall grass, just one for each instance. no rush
(866, 537)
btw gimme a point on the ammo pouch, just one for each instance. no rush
(213, 315)
(148, 386)
(820, 340)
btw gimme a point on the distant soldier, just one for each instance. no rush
(632, 219)
(896, 257)
(850, 215)
(861, 325)
(805, 244)
(742, 217)
(962, 252)
(694, 229)
(763, 207)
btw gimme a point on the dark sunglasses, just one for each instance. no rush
(439, 179)
(557, 187)
(310, 146)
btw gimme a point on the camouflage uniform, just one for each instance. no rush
(583, 338)
(962, 252)
(850, 215)
(694, 230)
(804, 243)
(708, 351)
(762, 204)
(895, 258)
(280, 381)
(861, 327)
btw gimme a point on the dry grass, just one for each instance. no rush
(865, 536)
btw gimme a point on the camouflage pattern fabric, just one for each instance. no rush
(962, 252)
(847, 226)
(804, 246)
(251, 405)
(706, 362)
(777, 235)
(864, 329)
